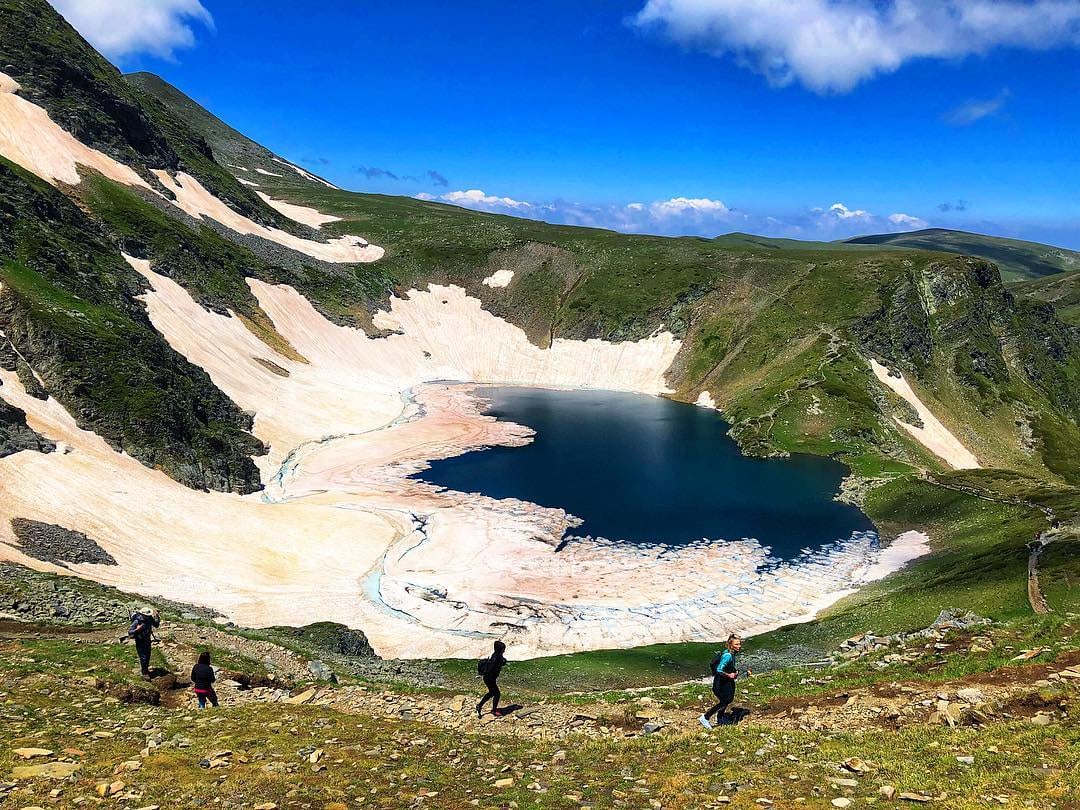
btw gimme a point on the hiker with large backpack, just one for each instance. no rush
(141, 631)
(724, 675)
(489, 669)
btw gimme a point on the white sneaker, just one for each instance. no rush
(705, 722)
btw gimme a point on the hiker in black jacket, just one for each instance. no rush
(143, 623)
(202, 679)
(489, 669)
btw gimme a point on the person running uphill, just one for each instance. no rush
(489, 669)
(724, 676)
(141, 631)
(202, 679)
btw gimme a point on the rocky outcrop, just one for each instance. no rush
(16, 435)
(50, 543)
(70, 311)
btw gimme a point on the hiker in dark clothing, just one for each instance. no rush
(202, 679)
(141, 630)
(489, 669)
(724, 675)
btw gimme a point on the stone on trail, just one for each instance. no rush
(886, 791)
(652, 728)
(321, 671)
(921, 798)
(970, 695)
(841, 802)
(968, 760)
(856, 765)
(304, 697)
(504, 783)
(31, 753)
(49, 770)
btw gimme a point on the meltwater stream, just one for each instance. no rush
(637, 468)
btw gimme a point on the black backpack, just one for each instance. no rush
(483, 667)
(137, 619)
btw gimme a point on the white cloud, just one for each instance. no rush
(120, 28)
(976, 110)
(832, 45)
(908, 221)
(682, 205)
(839, 211)
(689, 216)
(475, 198)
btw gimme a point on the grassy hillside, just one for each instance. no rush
(1061, 291)
(1018, 260)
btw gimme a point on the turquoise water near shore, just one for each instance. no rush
(640, 469)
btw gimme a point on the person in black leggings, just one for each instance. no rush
(724, 675)
(489, 669)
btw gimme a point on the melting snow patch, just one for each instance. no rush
(500, 278)
(705, 400)
(933, 435)
(298, 213)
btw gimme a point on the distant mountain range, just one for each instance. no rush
(1016, 259)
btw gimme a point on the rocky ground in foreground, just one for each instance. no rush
(966, 713)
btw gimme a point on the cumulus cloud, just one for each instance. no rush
(475, 198)
(974, 110)
(120, 28)
(908, 222)
(676, 216)
(681, 206)
(688, 216)
(833, 45)
(840, 212)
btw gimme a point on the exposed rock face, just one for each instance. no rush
(88, 97)
(72, 313)
(15, 434)
(335, 638)
(55, 544)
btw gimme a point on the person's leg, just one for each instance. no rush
(143, 649)
(492, 694)
(725, 693)
(202, 700)
(480, 705)
(716, 708)
(213, 698)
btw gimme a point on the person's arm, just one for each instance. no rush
(155, 621)
(213, 675)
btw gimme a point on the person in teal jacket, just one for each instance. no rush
(724, 676)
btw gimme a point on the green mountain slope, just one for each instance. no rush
(229, 147)
(1061, 291)
(1016, 259)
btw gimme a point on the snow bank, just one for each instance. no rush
(933, 435)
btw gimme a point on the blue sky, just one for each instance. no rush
(666, 116)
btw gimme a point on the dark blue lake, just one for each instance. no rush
(645, 469)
